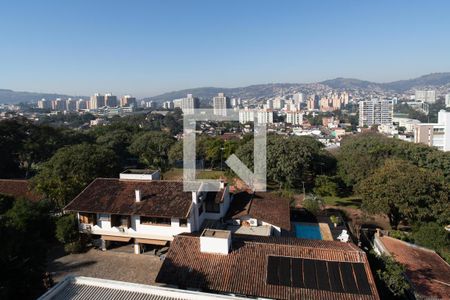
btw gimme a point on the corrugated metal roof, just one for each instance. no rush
(87, 288)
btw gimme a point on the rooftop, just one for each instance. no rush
(269, 267)
(19, 188)
(426, 270)
(87, 288)
(267, 207)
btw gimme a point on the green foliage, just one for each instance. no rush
(335, 219)
(291, 160)
(360, 155)
(392, 274)
(24, 229)
(433, 236)
(313, 204)
(401, 235)
(176, 152)
(152, 148)
(404, 191)
(71, 169)
(118, 141)
(6, 203)
(67, 229)
(325, 186)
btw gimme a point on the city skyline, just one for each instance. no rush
(150, 48)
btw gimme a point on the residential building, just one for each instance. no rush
(97, 101)
(269, 104)
(71, 104)
(260, 214)
(235, 102)
(246, 115)
(298, 98)
(419, 106)
(190, 104)
(447, 100)
(294, 117)
(110, 100)
(44, 104)
(435, 134)
(312, 103)
(268, 267)
(220, 104)
(427, 272)
(59, 104)
(264, 116)
(278, 103)
(19, 188)
(407, 123)
(88, 288)
(127, 101)
(82, 104)
(178, 103)
(168, 105)
(139, 208)
(375, 112)
(426, 96)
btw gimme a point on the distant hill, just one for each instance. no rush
(13, 97)
(438, 81)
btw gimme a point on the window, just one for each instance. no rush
(183, 222)
(155, 221)
(212, 207)
(88, 218)
(120, 221)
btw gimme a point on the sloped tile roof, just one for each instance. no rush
(114, 196)
(19, 188)
(266, 207)
(426, 270)
(244, 271)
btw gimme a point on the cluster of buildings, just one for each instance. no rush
(328, 103)
(97, 101)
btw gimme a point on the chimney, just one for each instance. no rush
(138, 195)
(215, 241)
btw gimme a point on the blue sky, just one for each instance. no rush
(150, 47)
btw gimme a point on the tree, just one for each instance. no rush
(71, 169)
(152, 148)
(6, 202)
(404, 191)
(118, 141)
(433, 236)
(392, 275)
(68, 234)
(176, 152)
(313, 204)
(325, 186)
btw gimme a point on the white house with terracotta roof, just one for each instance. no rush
(146, 211)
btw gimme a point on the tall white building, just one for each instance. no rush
(82, 104)
(220, 104)
(447, 100)
(265, 116)
(178, 103)
(235, 102)
(375, 112)
(294, 117)
(435, 134)
(168, 105)
(189, 104)
(426, 96)
(128, 101)
(278, 103)
(298, 98)
(246, 115)
(71, 104)
(44, 104)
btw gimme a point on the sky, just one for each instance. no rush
(146, 48)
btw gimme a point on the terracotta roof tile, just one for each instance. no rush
(427, 271)
(19, 188)
(267, 207)
(111, 195)
(244, 270)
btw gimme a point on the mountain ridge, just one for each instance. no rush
(267, 90)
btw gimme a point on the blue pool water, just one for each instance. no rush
(306, 231)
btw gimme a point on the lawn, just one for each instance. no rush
(177, 174)
(353, 201)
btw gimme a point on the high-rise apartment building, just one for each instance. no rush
(294, 117)
(44, 104)
(190, 104)
(168, 105)
(435, 134)
(265, 116)
(375, 112)
(97, 101)
(278, 103)
(110, 100)
(128, 101)
(447, 100)
(220, 104)
(59, 104)
(82, 104)
(426, 96)
(71, 104)
(246, 115)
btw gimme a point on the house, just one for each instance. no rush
(19, 188)
(267, 267)
(427, 272)
(140, 209)
(87, 288)
(262, 214)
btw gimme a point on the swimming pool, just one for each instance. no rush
(307, 231)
